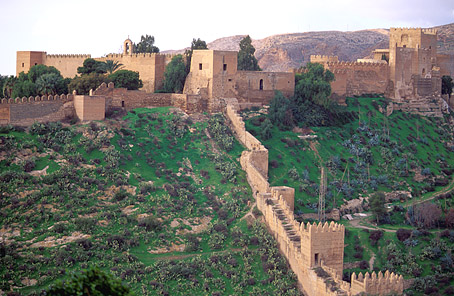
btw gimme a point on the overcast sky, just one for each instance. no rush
(99, 27)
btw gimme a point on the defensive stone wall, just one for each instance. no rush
(67, 64)
(309, 246)
(358, 78)
(25, 111)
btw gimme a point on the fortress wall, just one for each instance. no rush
(377, 284)
(67, 64)
(358, 78)
(26, 111)
(446, 62)
(258, 88)
(304, 247)
(90, 107)
(150, 66)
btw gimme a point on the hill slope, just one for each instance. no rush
(287, 51)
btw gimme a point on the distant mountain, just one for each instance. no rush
(287, 51)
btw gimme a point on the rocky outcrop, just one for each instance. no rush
(290, 51)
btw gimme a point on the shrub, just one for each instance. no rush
(375, 236)
(86, 225)
(150, 223)
(403, 234)
(364, 264)
(120, 195)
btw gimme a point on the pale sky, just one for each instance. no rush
(99, 27)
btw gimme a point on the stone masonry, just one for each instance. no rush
(306, 247)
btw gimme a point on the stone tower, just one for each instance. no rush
(128, 47)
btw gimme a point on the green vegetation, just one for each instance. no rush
(82, 84)
(372, 153)
(195, 44)
(149, 198)
(311, 104)
(40, 80)
(246, 59)
(175, 75)
(126, 79)
(111, 66)
(372, 156)
(146, 45)
(89, 282)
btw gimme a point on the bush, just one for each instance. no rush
(86, 225)
(403, 234)
(375, 236)
(150, 223)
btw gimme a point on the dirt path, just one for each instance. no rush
(371, 262)
(313, 145)
(356, 223)
(250, 212)
(179, 257)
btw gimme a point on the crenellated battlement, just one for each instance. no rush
(323, 58)
(377, 283)
(322, 228)
(68, 56)
(412, 30)
(304, 245)
(138, 55)
(24, 100)
(377, 64)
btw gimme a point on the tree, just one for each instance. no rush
(175, 75)
(91, 66)
(313, 84)
(84, 83)
(449, 218)
(48, 84)
(446, 85)
(426, 214)
(38, 70)
(8, 86)
(266, 129)
(377, 205)
(3, 80)
(89, 282)
(127, 79)
(195, 44)
(112, 66)
(280, 113)
(146, 45)
(23, 89)
(246, 58)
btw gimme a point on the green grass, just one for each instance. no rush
(78, 181)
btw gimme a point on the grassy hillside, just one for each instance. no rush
(148, 197)
(400, 152)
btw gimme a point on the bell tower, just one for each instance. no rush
(128, 47)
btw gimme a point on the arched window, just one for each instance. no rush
(261, 84)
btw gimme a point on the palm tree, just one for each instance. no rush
(112, 66)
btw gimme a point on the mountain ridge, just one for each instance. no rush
(283, 52)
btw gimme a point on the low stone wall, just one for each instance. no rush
(26, 111)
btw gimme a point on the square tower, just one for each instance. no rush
(411, 52)
(27, 59)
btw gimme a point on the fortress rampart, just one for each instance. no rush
(306, 246)
(25, 111)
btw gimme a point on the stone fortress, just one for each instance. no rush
(409, 73)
